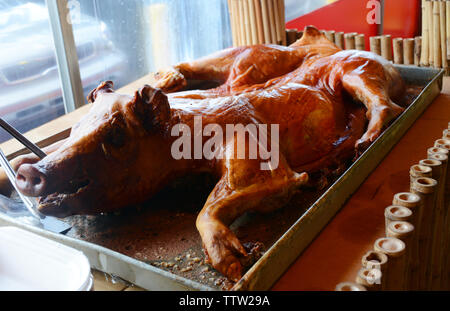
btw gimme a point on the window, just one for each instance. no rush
(115, 40)
(30, 89)
(126, 40)
(295, 8)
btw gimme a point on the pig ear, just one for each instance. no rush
(151, 107)
(105, 87)
(311, 35)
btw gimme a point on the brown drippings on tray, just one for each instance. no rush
(162, 231)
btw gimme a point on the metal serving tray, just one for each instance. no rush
(290, 245)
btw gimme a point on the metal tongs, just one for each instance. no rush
(32, 147)
(49, 223)
(9, 170)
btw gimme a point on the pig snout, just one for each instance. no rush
(30, 180)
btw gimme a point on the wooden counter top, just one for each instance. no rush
(335, 255)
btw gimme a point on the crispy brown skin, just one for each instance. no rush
(123, 146)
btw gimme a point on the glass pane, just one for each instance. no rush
(30, 89)
(125, 40)
(296, 8)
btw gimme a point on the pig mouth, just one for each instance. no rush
(58, 203)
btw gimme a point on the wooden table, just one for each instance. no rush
(335, 255)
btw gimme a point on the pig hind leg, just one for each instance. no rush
(243, 187)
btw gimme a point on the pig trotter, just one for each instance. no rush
(170, 80)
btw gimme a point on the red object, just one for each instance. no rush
(344, 15)
(401, 18)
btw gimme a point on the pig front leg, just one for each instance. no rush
(215, 68)
(243, 187)
(233, 67)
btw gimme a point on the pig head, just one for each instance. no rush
(101, 166)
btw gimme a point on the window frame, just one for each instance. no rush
(66, 54)
(67, 58)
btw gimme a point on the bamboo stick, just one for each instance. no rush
(398, 50)
(442, 143)
(445, 243)
(238, 21)
(445, 144)
(437, 168)
(349, 39)
(437, 157)
(276, 16)
(259, 21)
(426, 189)
(369, 278)
(417, 50)
(282, 17)
(429, 9)
(441, 154)
(437, 59)
(413, 203)
(349, 287)
(272, 23)
(424, 61)
(404, 231)
(253, 24)
(445, 150)
(436, 223)
(386, 47)
(266, 21)
(339, 39)
(395, 250)
(232, 13)
(375, 260)
(408, 51)
(410, 201)
(437, 150)
(447, 26)
(234, 17)
(375, 44)
(443, 33)
(445, 280)
(417, 171)
(240, 10)
(247, 23)
(438, 257)
(446, 134)
(330, 35)
(396, 213)
(360, 42)
(377, 263)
